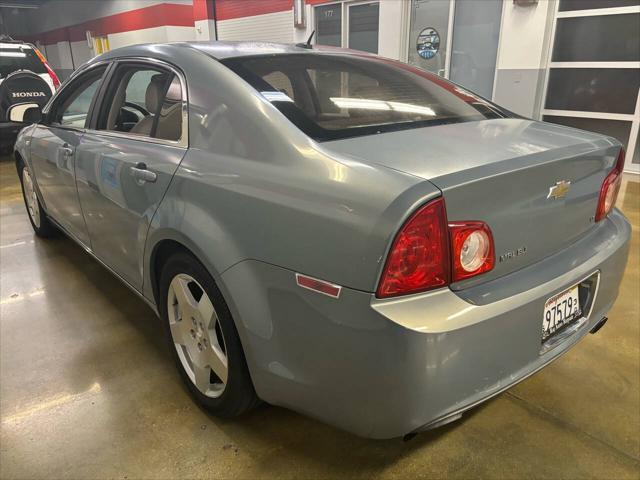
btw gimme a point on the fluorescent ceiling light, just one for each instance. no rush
(13, 54)
(369, 104)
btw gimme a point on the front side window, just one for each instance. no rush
(144, 101)
(73, 106)
(338, 96)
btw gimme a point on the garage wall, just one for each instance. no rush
(64, 13)
(394, 25)
(270, 27)
(59, 28)
(525, 34)
(165, 33)
(259, 20)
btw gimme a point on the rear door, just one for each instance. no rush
(127, 158)
(54, 150)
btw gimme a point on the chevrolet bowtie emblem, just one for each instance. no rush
(559, 190)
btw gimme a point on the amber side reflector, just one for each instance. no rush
(316, 285)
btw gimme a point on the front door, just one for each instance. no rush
(429, 34)
(53, 151)
(127, 159)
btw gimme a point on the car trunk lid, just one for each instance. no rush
(535, 184)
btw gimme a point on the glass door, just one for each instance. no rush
(474, 47)
(354, 25)
(595, 85)
(429, 35)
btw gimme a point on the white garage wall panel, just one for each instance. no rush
(81, 52)
(53, 57)
(151, 35)
(524, 40)
(175, 33)
(270, 27)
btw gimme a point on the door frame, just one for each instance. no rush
(634, 118)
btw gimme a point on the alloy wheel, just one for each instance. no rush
(197, 335)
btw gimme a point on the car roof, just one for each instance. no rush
(222, 50)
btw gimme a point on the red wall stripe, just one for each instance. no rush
(203, 10)
(148, 17)
(228, 9)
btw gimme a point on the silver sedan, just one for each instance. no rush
(327, 230)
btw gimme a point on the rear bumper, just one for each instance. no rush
(385, 368)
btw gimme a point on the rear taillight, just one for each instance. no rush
(610, 188)
(419, 257)
(52, 74)
(471, 249)
(428, 253)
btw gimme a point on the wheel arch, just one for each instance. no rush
(173, 242)
(160, 252)
(18, 160)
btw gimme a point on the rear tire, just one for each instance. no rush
(203, 338)
(41, 224)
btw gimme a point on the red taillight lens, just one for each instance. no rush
(54, 77)
(610, 188)
(472, 249)
(52, 74)
(419, 257)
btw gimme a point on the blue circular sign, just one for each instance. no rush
(428, 43)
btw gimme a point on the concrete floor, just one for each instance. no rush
(88, 390)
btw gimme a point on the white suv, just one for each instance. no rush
(25, 77)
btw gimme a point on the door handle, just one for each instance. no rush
(141, 173)
(66, 150)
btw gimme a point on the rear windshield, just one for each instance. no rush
(19, 58)
(337, 96)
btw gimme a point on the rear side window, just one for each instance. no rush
(19, 58)
(143, 100)
(331, 96)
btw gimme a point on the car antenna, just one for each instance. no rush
(308, 43)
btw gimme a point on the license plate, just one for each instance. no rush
(559, 311)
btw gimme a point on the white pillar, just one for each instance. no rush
(205, 29)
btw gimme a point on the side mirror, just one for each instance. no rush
(25, 113)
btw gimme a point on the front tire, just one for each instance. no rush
(204, 341)
(41, 224)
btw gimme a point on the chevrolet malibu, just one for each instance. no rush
(330, 231)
